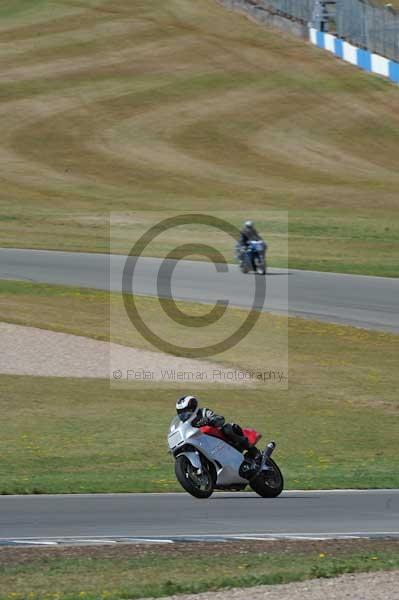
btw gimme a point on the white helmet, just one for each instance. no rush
(186, 404)
(249, 224)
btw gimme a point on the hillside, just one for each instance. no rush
(108, 105)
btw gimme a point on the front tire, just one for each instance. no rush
(199, 486)
(268, 484)
(260, 266)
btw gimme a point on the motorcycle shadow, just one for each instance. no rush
(268, 274)
(249, 496)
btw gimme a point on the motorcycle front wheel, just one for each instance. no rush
(270, 483)
(199, 486)
(260, 267)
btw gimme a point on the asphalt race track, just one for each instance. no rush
(370, 302)
(362, 301)
(293, 514)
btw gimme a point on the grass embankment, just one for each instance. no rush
(335, 425)
(108, 106)
(137, 572)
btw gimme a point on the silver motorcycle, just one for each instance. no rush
(205, 460)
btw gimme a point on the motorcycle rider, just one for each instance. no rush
(247, 234)
(206, 416)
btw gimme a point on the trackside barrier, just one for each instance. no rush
(373, 63)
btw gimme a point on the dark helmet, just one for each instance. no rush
(186, 404)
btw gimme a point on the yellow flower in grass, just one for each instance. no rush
(322, 555)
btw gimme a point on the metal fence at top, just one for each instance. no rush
(298, 9)
(362, 22)
(373, 27)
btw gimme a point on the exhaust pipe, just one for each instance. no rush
(269, 449)
(266, 455)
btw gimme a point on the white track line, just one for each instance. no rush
(267, 537)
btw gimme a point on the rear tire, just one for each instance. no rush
(268, 484)
(199, 486)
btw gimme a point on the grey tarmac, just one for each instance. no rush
(295, 514)
(361, 301)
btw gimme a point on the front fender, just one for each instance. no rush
(193, 457)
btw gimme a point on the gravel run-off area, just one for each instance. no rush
(39, 352)
(363, 586)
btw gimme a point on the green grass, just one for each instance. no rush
(335, 242)
(335, 424)
(102, 316)
(103, 575)
(71, 436)
(108, 106)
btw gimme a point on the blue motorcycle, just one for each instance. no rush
(253, 257)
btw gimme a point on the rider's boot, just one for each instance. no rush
(253, 454)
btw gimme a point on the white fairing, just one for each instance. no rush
(225, 458)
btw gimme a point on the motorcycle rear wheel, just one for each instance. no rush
(268, 484)
(199, 486)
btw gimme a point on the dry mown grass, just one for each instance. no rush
(394, 3)
(119, 106)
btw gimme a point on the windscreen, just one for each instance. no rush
(175, 422)
(185, 416)
(179, 419)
